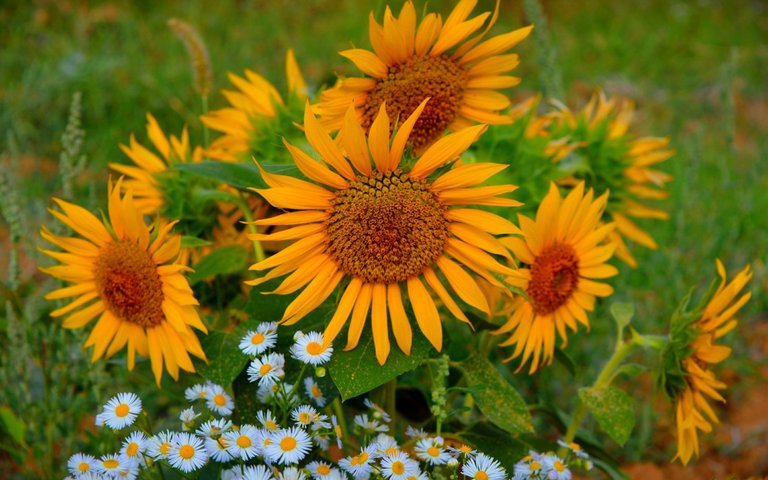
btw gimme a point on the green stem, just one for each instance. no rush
(390, 400)
(341, 419)
(623, 348)
(243, 206)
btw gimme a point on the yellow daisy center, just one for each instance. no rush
(314, 348)
(558, 466)
(554, 276)
(186, 452)
(304, 417)
(316, 391)
(386, 228)
(287, 444)
(408, 84)
(398, 467)
(257, 339)
(132, 449)
(359, 459)
(270, 425)
(265, 369)
(535, 465)
(84, 466)
(122, 410)
(481, 475)
(219, 400)
(243, 441)
(164, 448)
(323, 469)
(128, 282)
(110, 463)
(433, 452)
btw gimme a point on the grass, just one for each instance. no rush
(697, 71)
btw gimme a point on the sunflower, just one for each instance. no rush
(562, 255)
(256, 103)
(460, 75)
(144, 179)
(693, 411)
(616, 162)
(381, 228)
(123, 273)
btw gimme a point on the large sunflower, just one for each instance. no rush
(144, 179)
(256, 103)
(124, 274)
(561, 253)
(693, 412)
(439, 60)
(381, 228)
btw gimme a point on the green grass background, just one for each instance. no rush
(697, 70)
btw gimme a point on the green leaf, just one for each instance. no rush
(612, 408)
(357, 371)
(238, 175)
(497, 443)
(230, 259)
(13, 425)
(622, 313)
(193, 242)
(495, 397)
(225, 360)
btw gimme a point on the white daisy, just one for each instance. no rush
(575, 448)
(376, 411)
(554, 468)
(217, 449)
(219, 401)
(133, 447)
(483, 467)
(309, 349)
(431, 451)
(130, 473)
(197, 392)
(159, 444)
(187, 452)
(319, 470)
(337, 431)
(385, 444)
(314, 392)
(415, 433)
(110, 465)
(359, 465)
(369, 425)
(86, 476)
(530, 466)
(303, 415)
(398, 466)
(291, 473)
(188, 416)
(81, 463)
(256, 342)
(243, 443)
(288, 446)
(258, 472)
(267, 420)
(320, 422)
(462, 450)
(267, 369)
(214, 428)
(121, 410)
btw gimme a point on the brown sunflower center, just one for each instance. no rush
(386, 228)
(554, 276)
(408, 84)
(128, 282)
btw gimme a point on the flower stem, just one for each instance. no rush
(390, 400)
(243, 206)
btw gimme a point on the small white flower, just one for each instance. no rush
(310, 349)
(258, 472)
(462, 450)
(415, 433)
(188, 416)
(575, 448)
(319, 470)
(197, 392)
(483, 467)
(217, 449)
(243, 443)
(554, 468)
(219, 401)
(291, 473)
(320, 422)
(369, 425)
(133, 447)
(187, 452)
(359, 465)
(288, 446)
(81, 463)
(110, 465)
(214, 428)
(159, 445)
(256, 342)
(314, 392)
(398, 466)
(431, 450)
(267, 369)
(121, 410)
(528, 467)
(267, 420)
(303, 415)
(337, 431)
(322, 440)
(376, 411)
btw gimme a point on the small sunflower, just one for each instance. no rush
(439, 60)
(123, 273)
(561, 253)
(615, 161)
(144, 179)
(254, 105)
(381, 228)
(693, 412)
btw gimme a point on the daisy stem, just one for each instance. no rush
(243, 206)
(336, 404)
(390, 401)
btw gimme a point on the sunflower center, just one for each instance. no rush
(554, 276)
(386, 228)
(408, 84)
(128, 282)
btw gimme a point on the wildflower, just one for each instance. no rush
(243, 443)
(219, 401)
(159, 445)
(337, 431)
(415, 433)
(385, 444)
(431, 450)
(258, 341)
(438, 61)
(121, 410)
(218, 449)
(197, 392)
(319, 470)
(257, 472)
(311, 349)
(463, 450)
(303, 415)
(288, 446)
(110, 465)
(398, 466)
(359, 465)
(125, 275)
(187, 452)
(291, 473)
(575, 448)
(377, 412)
(278, 390)
(133, 447)
(483, 467)
(554, 468)
(369, 425)
(188, 417)
(267, 370)
(562, 255)
(313, 391)
(267, 420)
(382, 229)
(213, 428)
(81, 463)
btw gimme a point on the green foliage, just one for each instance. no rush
(224, 260)
(495, 397)
(238, 175)
(612, 408)
(225, 360)
(493, 441)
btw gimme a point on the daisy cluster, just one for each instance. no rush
(549, 466)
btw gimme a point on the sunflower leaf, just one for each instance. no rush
(229, 259)
(612, 408)
(357, 371)
(239, 175)
(495, 397)
(497, 443)
(225, 360)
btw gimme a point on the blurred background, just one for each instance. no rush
(697, 71)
